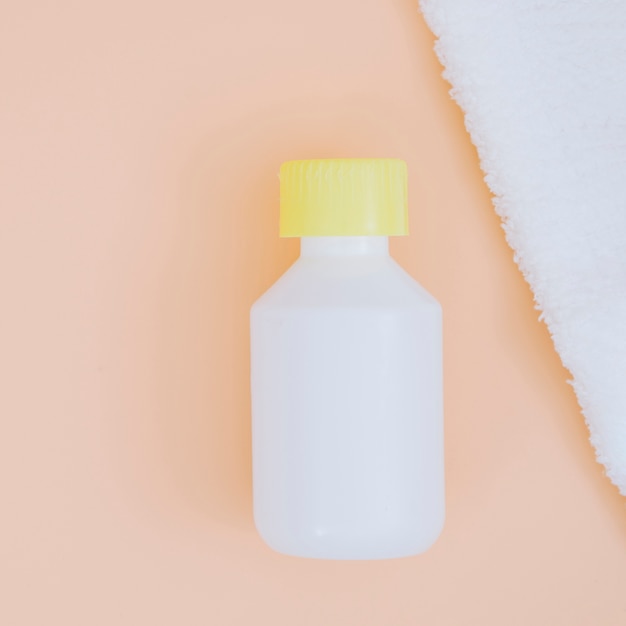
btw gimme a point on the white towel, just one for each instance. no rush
(542, 84)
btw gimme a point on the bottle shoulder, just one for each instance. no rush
(324, 282)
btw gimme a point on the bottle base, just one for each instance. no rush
(318, 544)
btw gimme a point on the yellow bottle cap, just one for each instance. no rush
(333, 197)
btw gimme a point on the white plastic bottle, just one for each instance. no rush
(347, 424)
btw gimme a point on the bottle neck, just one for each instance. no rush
(344, 246)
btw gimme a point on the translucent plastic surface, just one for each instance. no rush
(347, 406)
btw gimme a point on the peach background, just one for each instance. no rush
(140, 143)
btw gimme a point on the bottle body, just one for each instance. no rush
(347, 418)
